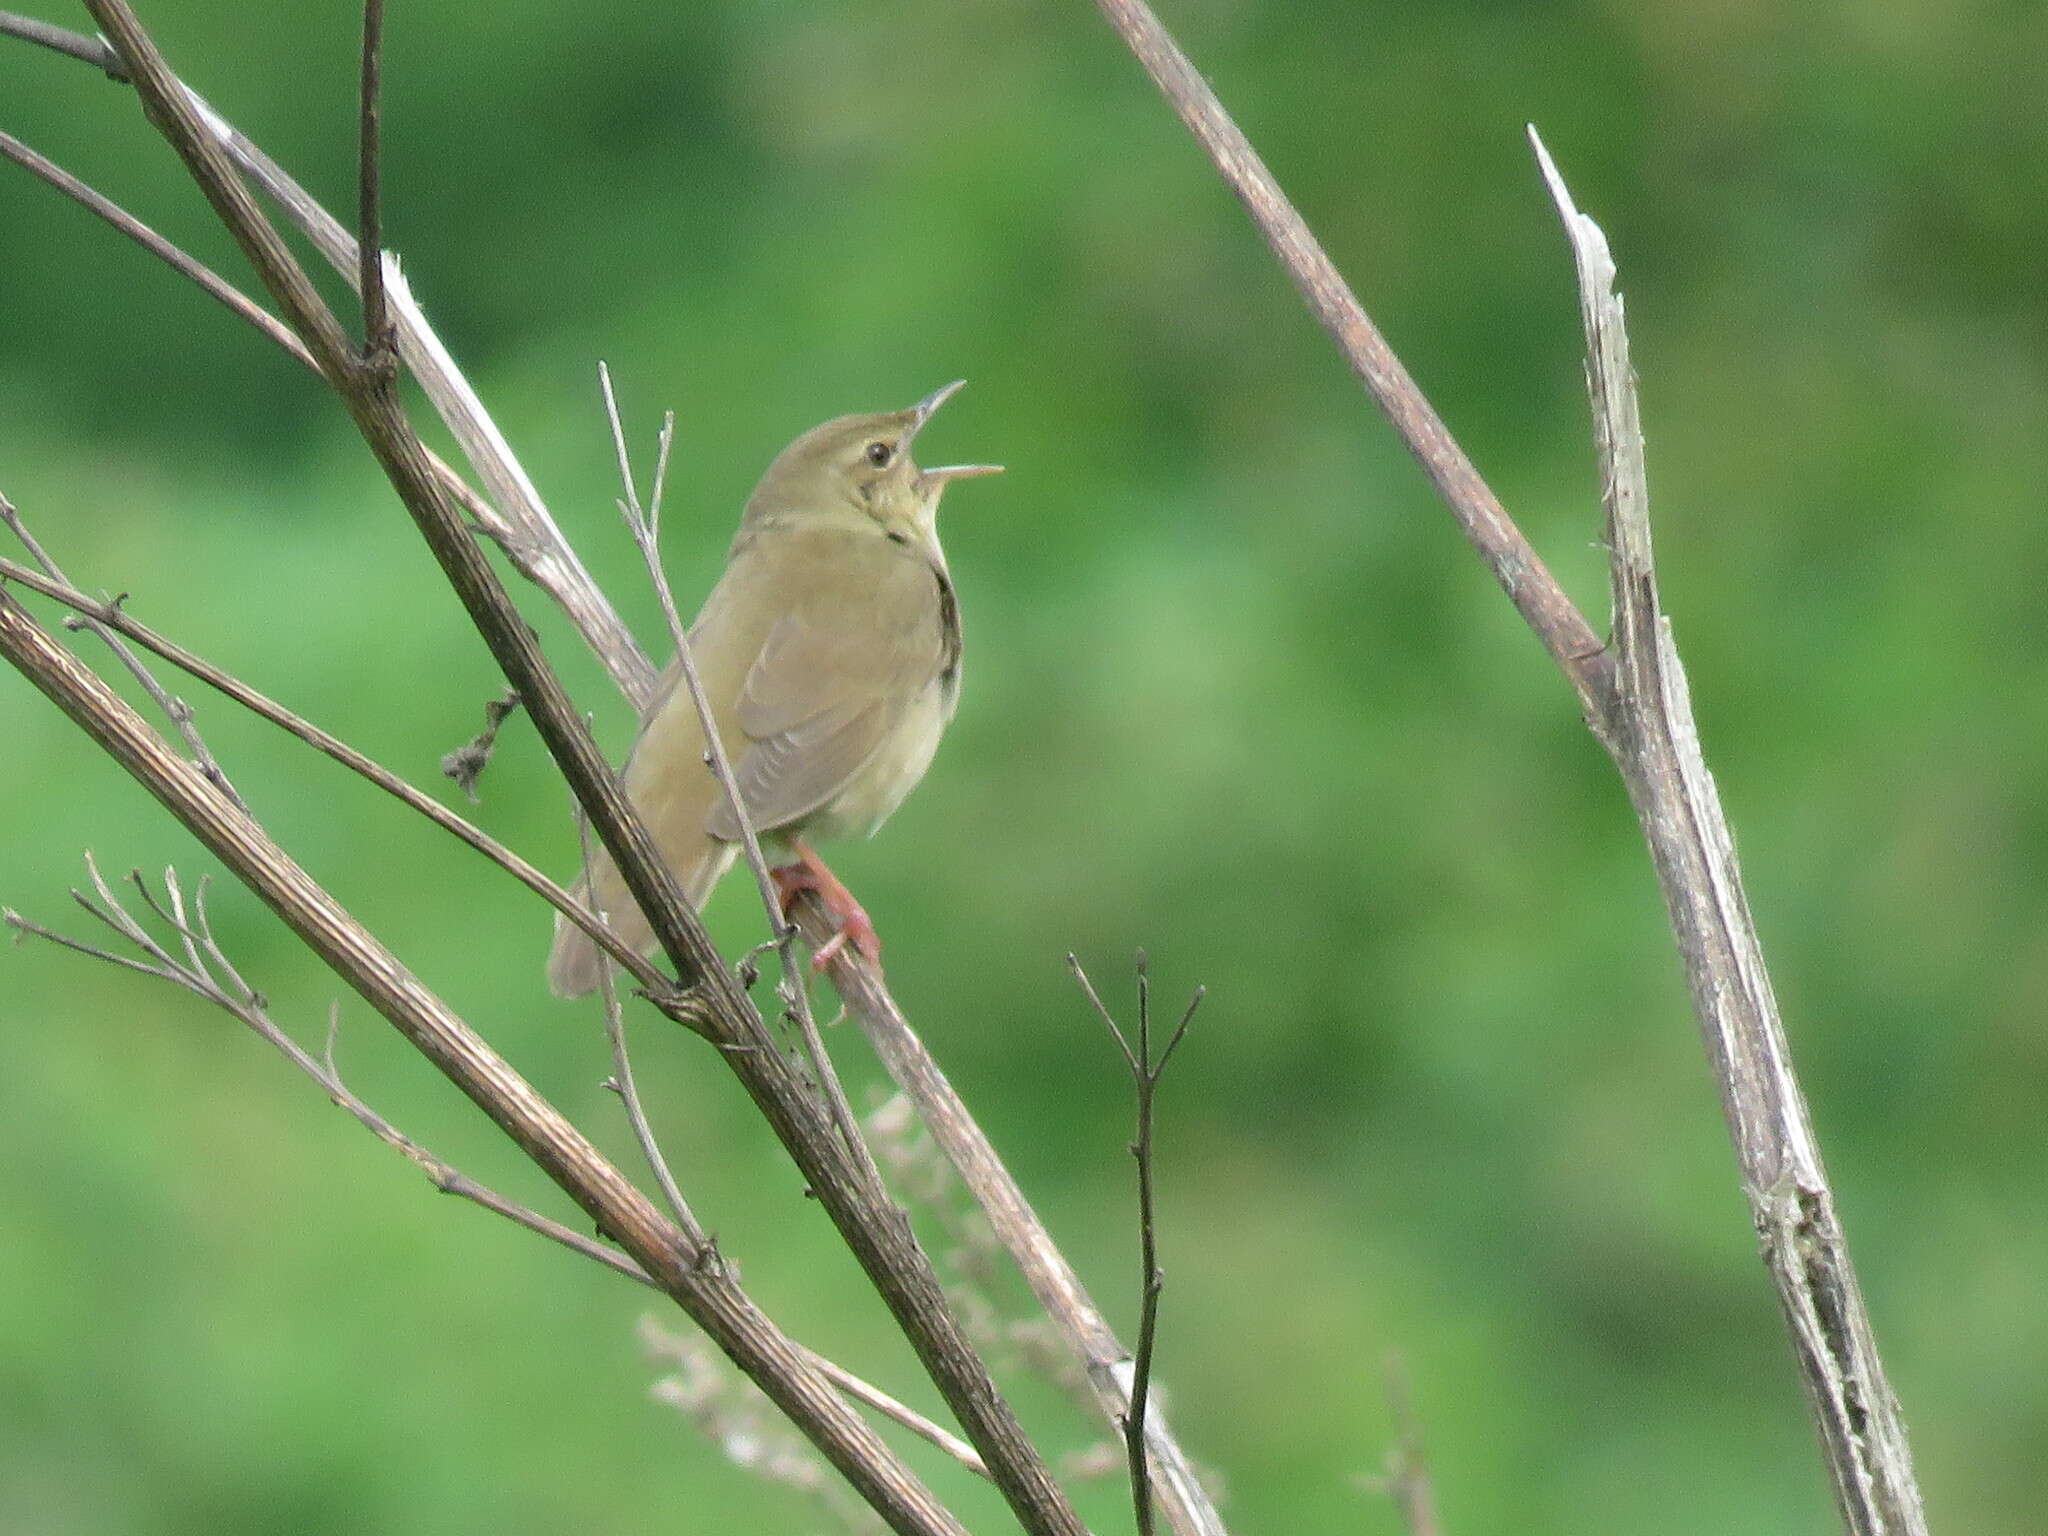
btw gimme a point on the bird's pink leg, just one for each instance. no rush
(810, 874)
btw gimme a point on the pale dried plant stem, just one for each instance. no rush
(1648, 729)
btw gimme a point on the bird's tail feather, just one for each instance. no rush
(575, 963)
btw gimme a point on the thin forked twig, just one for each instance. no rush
(622, 1083)
(1146, 1072)
(205, 971)
(116, 618)
(1085, 1333)
(644, 522)
(378, 341)
(176, 710)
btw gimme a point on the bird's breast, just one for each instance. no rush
(893, 771)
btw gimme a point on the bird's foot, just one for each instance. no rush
(810, 874)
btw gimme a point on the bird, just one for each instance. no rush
(829, 652)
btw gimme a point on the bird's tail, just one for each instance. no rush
(575, 964)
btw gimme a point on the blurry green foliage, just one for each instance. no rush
(1235, 692)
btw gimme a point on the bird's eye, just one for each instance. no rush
(879, 454)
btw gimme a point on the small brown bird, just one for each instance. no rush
(830, 654)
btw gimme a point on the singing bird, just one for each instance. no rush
(830, 655)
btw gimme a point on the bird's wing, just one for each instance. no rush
(850, 652)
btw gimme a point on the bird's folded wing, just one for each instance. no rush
(831, 681)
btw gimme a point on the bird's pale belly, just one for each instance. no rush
(873, 794)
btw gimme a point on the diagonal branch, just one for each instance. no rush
(1543, 604)
(694, 1277)
(113, 617)
(519, 522)
(1082, 1328)
(860, 1207)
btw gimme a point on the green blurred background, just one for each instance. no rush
(1236, 692)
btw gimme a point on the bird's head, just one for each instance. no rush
(858, 468)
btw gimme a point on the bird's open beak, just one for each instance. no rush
(921, 413)
(947, 472)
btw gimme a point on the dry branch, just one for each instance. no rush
(1635, 701)
(1146, 1071)
(873, 1228)
(1647, 727)
(694, 1278)
(1187, 1505)
(116, 619)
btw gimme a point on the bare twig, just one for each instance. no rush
(176, 710)
(1185, 1502)
(89, 50)
(1514, 562)
(205, 973)
(377, 333)
(1146, 1072)
(114, 617)
(1648, 728)
(629, 1093)
(215, 286)
(925, 1430)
